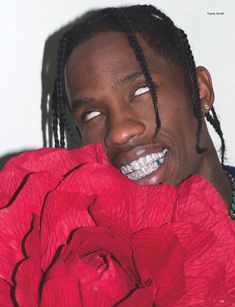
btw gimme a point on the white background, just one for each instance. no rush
(26, 24)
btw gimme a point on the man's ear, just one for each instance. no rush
(206, 92)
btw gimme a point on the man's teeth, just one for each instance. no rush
(144, 166)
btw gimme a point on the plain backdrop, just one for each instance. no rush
(25, 25)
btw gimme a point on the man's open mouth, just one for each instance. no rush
(144, 166)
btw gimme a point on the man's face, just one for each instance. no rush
(113, 106)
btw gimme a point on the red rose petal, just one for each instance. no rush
(62, 291)
(140, 296)
(94, 239)
(121, 201)
(159, 258)
(15, 220)
(5, 294)
(63, 212)
(29, 273)
(94, 278)
(186, 258)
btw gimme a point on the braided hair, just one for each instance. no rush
(162, 36)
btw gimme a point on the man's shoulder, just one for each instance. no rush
(230, 169)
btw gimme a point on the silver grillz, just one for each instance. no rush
(144, 166)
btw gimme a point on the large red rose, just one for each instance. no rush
(76, 232)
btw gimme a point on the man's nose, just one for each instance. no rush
(123, 130)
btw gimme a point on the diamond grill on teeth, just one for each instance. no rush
(143, 166)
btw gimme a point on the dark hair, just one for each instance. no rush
(159, 32)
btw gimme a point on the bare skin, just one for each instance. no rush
(112, 106)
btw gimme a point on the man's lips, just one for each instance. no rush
(126, 157)
(157, 176)
(144, 166)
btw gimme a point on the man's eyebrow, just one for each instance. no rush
(129, 77)
(80, 102)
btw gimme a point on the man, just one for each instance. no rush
(142, 219)
(134, 88)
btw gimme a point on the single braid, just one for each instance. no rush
(72, 137)
(128, 29)
(191, 79)
(70, 133)
(60, 94)
(150, 9)
(215, 123)
(55, 118)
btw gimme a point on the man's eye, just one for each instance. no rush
(91, 114)
(142, 90)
